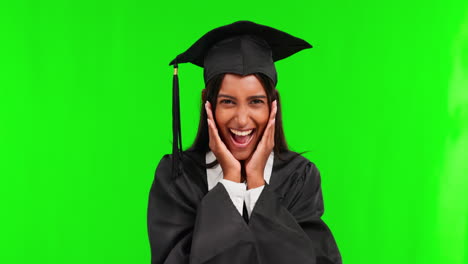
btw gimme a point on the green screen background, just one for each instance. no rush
(380, 103)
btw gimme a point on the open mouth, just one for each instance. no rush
(241, 138)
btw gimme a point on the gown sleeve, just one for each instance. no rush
(185, 225)
(289, 229)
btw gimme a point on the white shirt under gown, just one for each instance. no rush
(237, 191)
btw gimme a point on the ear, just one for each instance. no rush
(203, 95)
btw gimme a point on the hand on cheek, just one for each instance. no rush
(231, 166)
(255, 165)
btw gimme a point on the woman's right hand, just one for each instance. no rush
(230, 165)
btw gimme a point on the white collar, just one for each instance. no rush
(215, 174)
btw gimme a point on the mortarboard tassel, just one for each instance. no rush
(176, 128)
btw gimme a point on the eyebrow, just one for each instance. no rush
(249, 98)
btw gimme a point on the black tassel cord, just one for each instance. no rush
(176, 128)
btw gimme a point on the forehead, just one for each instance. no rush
(238, 85)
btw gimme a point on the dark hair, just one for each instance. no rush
(211, 93)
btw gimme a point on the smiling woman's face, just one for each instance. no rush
(241, 113)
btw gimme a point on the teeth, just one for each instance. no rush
(241, 133)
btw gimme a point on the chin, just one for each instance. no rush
(242, 155)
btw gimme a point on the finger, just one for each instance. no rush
(273, 110)
(210, 131)
(271, 122)
(209, 112)
(208, 119)
(266, 134)
(211, 124)
(272, 132)
(215, 139)
(269, 134)
(213, 131)
(269, 131)
(210, 115)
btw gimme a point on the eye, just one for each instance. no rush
(257, 101)
(226, 101)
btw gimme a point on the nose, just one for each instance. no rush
(242, 116)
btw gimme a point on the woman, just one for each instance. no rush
(238, 195)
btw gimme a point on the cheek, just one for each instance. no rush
(221, 117)
(262, 118)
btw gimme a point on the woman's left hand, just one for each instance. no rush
(255, 165)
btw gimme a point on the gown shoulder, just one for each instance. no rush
(193, 171)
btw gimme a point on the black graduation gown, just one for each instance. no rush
(189, 224)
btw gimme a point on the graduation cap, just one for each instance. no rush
(242, 48)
